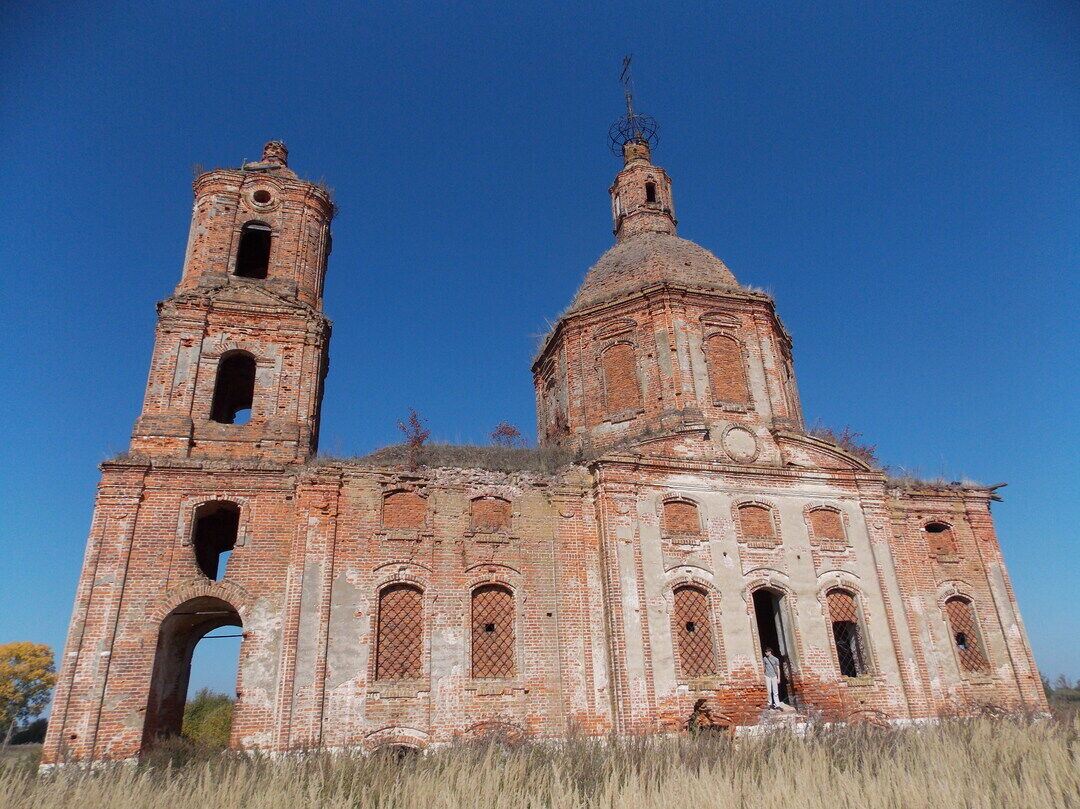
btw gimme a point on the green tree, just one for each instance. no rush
(208, 718)
(27, 676)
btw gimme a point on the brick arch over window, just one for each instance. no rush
(848, 633)
(493, 628)
(727, 369)
(622, 388)
(692, 628)
(680, 518)
(940, 538)
(756, 524)
(489, 514)
(399, 643)
(827, 527)
(404, 510)
(966, 637)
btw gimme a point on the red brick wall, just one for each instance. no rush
(727, 369)
(622, 388)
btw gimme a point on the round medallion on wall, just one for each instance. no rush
(740, 444)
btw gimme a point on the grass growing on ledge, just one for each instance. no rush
(976, 763)
(544, 461)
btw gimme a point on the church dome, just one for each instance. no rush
(649, 258)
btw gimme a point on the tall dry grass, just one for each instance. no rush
(975, 764)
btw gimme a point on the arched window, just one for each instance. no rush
(489, 515)
(234, 389)
(680, 519)
(727, 370)
(827, 527)
(405, 511)
(253, 255)
(693, 632)
(756, 523)
(847, 633)
(492, 631)
(399, 646)
(622, 389)
(213, 536)
(940, 539)
(650, 192)
(966, 637)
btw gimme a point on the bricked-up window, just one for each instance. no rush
(253, 255)
(492, 632)
(213, 535)
(399, 648)
(940, 539)
(847, 633)
(727, 370)
(827, 527)
(680, 519)
(756, 523)
(490, 515)
(622, 389)
(965, 634)
(404, 511)
(693, 633)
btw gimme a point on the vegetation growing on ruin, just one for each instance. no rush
(979, 762)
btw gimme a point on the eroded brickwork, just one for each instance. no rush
(383, 605)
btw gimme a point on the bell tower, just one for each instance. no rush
(241, 346)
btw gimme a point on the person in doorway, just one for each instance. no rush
(772, 678)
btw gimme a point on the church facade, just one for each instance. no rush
(631, 589)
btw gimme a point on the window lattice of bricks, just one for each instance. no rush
(404, 511)
(965, 634)
(400, 643)
(680, 519)
(490, 514)
(847, 634)
(727, 370)
(492, 632)
(827, 528)
(622, 389)
(693, 633)
(757, 526)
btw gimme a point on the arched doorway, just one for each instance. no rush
(774, 632)
(180, 631)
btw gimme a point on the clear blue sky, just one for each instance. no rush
(902, 177)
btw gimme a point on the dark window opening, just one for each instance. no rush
(253, 255)
(234, 389)
(489, 627)
(848, 649)
(936, 528)
(214, 536)
(650, 192)
(691, 626)
(961, 641)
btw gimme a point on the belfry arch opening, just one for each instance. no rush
(650, 192)
(774, 632)
(253, 254)
(213, 536)
(234, 389)
(180, 632)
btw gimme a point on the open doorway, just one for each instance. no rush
(770, 613)
(180, 632)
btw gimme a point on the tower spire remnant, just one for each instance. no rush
(635, 134)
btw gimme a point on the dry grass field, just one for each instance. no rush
(976, 764)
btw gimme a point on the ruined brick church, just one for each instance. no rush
(695, 523)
